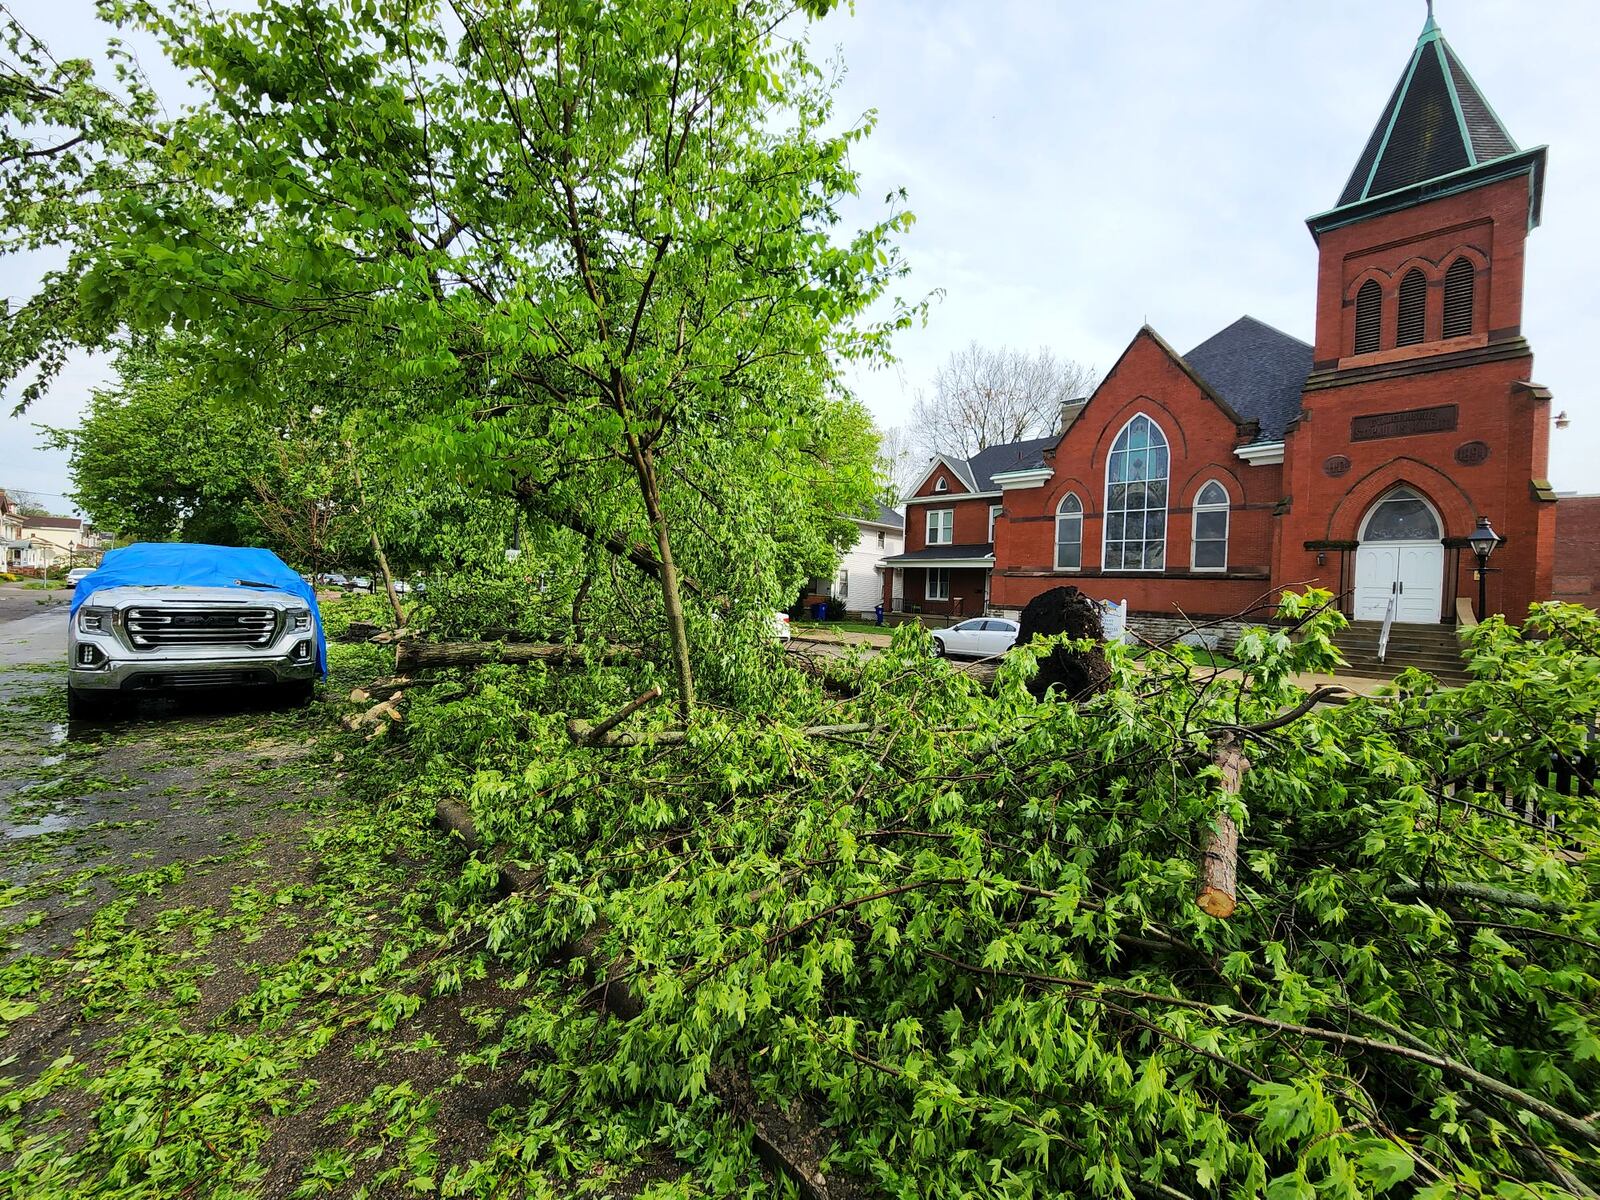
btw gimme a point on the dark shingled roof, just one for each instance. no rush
(1436, 123)
(882, 514)
(973, 550)
(1013, 456)
(1259, 370)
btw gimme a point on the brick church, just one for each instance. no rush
(1208, 481)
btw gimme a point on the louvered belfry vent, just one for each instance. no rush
(1458, 299)
(1413, 309)
(1369, 317)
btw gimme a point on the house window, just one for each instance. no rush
(938, 583)
(1458, 299)
(1211, 528)
(844, 585)
(1069, 533)
(880, 540)
(941, 526)
(1413, 308)
(1136, 499)
(1369, 317)
(994, 512)
(941, 484)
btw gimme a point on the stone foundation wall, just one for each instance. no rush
(1219, 636)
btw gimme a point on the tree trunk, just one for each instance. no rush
(421, 656)
(672, 601)
(388, 579)
(1219, 856)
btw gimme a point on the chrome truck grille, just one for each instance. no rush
(170, 625)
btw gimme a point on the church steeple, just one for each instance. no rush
(1436, 130)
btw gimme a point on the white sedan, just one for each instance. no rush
(981, 637)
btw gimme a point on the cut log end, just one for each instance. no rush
(1219, 854)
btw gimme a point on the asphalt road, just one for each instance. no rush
(36, 636)
(18, 602)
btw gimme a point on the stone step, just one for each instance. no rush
(1433, 649)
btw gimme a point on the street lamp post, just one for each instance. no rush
(1483, 541)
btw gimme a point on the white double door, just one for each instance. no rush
(1411, 572)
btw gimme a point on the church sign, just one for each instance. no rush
(1439, 419)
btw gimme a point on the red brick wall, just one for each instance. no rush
(1489, 224)
(1201, 440)
(1512, 423)
(1577, 551)
(1478, 374)
(971, 522)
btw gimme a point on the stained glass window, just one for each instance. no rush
(1136, 499)
(1401, 516)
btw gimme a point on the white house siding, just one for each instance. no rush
(859, 572)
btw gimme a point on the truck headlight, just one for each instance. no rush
(94, 620)
(301, 619)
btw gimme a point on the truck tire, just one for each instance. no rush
(297, 694)
(90, 706)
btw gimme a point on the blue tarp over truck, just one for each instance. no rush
(177, 564)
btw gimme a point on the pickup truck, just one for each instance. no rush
(160, 617)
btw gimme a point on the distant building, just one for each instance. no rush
(58, 541)
(860, 581)
(1577, 574)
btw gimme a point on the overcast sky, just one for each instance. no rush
(1079, 169)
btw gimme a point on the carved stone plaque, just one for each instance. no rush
(1472, 454)
(1439, 419)
(1335, 465)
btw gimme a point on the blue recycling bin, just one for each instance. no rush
(878, 613)
(819, 611)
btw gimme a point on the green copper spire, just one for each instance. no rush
(1431, 28)
(1436, 123)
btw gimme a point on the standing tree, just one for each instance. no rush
(901, 461)
(984, 398)
(582, 254)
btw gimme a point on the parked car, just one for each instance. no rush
(77, 575)
(335, 580)
(981, 637)
(169, 616)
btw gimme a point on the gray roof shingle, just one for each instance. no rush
(881, 514)
(1013, 456)
(1259, 370)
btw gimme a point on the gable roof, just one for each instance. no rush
(52, 522)
(1012, 456)
(1436, 126)
(1260, 371)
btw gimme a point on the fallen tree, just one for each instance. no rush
(432, 656)
(967, 932)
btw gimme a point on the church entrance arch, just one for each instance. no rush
(1400, 555)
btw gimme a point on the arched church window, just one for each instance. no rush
(1369, 317)
(1413, 309)
(1069, 533)
(1136, 498)
(1210, 549)
(1401, 516)
(1458, 298)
